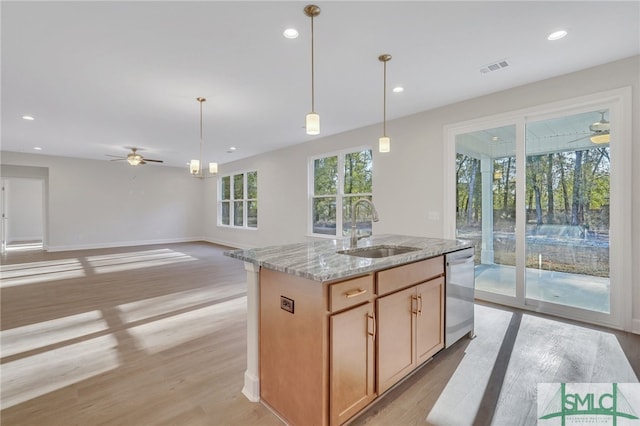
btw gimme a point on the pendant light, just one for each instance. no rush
(313, 118)
(384, 143)
(195, 165)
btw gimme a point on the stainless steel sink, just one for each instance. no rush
(376, 252)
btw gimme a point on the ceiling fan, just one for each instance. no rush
(599, 131)
(134, 158)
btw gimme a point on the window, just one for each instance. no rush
(238, 200)
(337, 181)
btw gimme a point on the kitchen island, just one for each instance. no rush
(331, 327)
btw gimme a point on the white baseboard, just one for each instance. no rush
(229, 244)
(635, 326)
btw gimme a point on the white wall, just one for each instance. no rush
(408, 181)
(100, 203)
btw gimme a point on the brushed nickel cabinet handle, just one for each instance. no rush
(355, 293)
(372, 316)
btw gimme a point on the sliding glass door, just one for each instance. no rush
(486, 204)
(567, 210)
(544, 199)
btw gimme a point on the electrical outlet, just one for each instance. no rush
(286, 304)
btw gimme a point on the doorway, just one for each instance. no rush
(23, 215)
(541, 196)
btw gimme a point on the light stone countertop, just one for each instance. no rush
(319, 260)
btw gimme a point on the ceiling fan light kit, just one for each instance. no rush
(600, 130)
(195, 165)
(134, 158)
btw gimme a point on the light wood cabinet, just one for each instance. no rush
(410, 321)
(352, 363)
(327, 350)
(429, 319)
(396, 337)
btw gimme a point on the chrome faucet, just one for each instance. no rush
(374, 217)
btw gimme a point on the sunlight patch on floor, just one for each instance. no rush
(168, 332)
(30, 377)
(119, 262)
(543, 351)
(33, 336)
(174, 302)
(39, 272)
(459, 401)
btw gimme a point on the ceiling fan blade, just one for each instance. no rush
(120, 157)
(580, 138)
(154, 161)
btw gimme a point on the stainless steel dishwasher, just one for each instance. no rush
(460, 289)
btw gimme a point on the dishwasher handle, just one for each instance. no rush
(460, 260)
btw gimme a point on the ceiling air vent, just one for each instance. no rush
(494, 66)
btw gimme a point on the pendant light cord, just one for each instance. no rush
(200, 171)
(384, 101)
(313, 109)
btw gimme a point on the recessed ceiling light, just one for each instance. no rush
(231, 149)
(290, 33)
(398, 89)
(37, 148)
(557, 35)
(28, 117)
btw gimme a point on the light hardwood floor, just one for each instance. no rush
(155, 335)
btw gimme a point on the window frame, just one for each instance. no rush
(340, 194)
(231, 201)
(619, 104)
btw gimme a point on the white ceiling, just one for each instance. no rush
(102, 76)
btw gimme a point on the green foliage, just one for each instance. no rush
(569, 187)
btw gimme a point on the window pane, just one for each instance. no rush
(252, 185)
(224, 213)
(357, 172)
(238, 213)
(252, 214)
(226, 188)
(567, 202)
(363, 218)
(325, 176)
(485, 210)
(238, 187)
(324, 215)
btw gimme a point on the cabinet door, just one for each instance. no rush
(352, 363)
(430, 319)
(395, 337)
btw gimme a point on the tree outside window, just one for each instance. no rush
(338, 181)
(238, 200)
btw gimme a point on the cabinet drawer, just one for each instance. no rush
(413, 273)
(350, 293)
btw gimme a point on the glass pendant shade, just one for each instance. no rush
(194, 167)
(313, 123)
(213, 168)
(384, 144)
